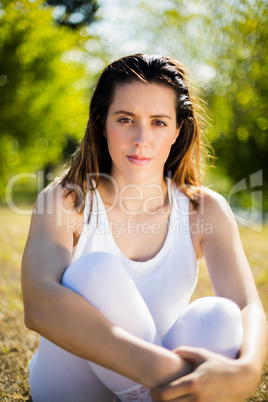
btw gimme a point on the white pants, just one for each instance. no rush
(59, 376)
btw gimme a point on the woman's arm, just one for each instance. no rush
(217, 378)
(231, 277)
(66, 318)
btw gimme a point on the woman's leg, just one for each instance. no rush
(214, 323)
(102, 280)
(59, 376)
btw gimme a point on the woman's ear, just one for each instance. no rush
(104, 133)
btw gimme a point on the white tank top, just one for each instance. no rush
(166, 281)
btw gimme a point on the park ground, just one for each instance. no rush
(17, 343)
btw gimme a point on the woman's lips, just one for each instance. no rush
(138, 160)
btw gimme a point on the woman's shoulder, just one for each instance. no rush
(55, 201)
(214, 210)
(212, 202)
(212, 218)
(53, 194)
(202, 198)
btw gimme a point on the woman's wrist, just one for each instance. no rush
(146, 363)
(167, 367)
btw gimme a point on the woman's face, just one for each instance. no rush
(140, 130)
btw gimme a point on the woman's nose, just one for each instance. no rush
(142, 136)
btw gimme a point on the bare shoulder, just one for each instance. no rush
(55, 213)
(213, 205)
(54, 193)
(213, 208)
(212, 218)
(55, 225)
(52, 201)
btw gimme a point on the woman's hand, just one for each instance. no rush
(214, 378)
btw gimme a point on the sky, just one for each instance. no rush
(115, 28)
(123, 29)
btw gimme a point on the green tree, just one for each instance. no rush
(45, 79)
(238, 96)
(75, 13)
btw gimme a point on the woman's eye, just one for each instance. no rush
(159, 123)
(124, 120)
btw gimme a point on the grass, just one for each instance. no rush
(17, 343)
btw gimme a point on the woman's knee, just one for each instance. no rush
(91, 270)
(214, 323)
(102, 279)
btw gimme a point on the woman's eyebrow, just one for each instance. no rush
(133, 114)
(124, 112)
(161, 115)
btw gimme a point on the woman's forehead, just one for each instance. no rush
(151, 93)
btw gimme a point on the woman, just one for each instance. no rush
(111, 259)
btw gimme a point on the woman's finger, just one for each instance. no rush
(186, 398)
(192, 355)
(182, 387)
(198, 356)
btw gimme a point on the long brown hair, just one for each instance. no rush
(92, 159)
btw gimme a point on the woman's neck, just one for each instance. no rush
(135, 198)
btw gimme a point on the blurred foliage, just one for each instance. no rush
(46, 75)
(74, 13)
(238, 95)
